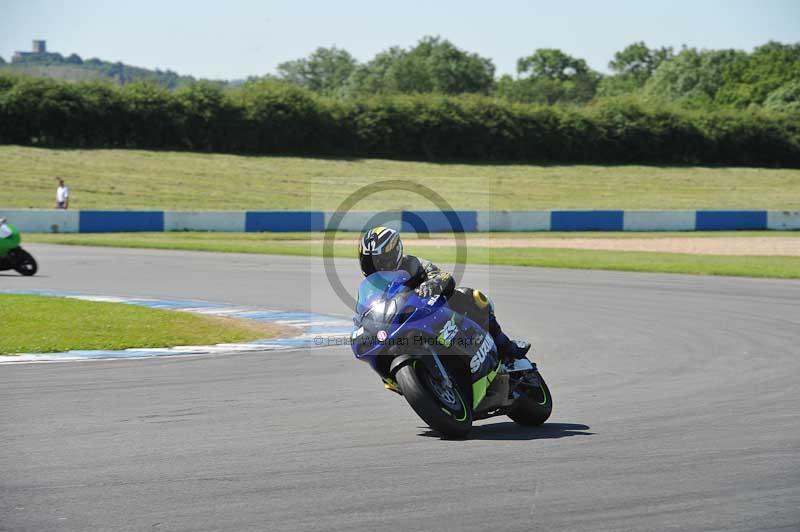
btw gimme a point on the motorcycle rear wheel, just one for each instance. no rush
(443, 409)
(24, 263)
(535, 406)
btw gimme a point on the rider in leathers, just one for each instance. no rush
(381, 249)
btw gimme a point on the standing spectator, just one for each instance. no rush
(62, 195)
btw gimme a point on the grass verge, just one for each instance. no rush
(748, 266)
(138, 179)
(43, 324)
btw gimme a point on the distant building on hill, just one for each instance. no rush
(39, 48)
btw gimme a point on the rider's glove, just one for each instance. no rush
(429, 289)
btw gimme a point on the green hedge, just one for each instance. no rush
(273, 118)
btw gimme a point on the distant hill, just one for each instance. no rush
(74, 68)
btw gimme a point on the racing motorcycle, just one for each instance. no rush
(13, 257)
(442, 362)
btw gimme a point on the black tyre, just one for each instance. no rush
(536, 405)
(442, 408)
(24, 263)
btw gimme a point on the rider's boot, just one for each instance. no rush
(507, 348)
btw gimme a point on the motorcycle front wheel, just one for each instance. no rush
(24, 263)
(442, 407)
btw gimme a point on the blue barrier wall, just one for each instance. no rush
(47, 220)
(120, 221)
(730, 220)
(440, 221)
(284, 221)
(586, 220)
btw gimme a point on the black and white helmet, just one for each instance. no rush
(380, 250)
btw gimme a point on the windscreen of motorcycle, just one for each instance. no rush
(379, 296)
(380, 286)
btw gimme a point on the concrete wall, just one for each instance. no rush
(42, 221)
(513, 220)
(783, 220)
(59, 221)
(204, 221)
(659, 220)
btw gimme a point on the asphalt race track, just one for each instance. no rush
(676, 408)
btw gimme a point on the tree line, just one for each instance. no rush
(55, 64)
(767, 77)
(276, 117)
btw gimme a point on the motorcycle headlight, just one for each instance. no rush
(379, 316)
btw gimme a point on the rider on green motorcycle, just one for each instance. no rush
(12, 256)
(381, 249)
(9, 238)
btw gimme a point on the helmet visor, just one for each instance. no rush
(378, 263)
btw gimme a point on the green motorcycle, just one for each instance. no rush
(13, 257)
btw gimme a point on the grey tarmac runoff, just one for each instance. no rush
(676, 408)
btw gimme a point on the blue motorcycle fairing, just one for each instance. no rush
(390, 314)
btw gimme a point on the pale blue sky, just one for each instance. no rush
(237, 38)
